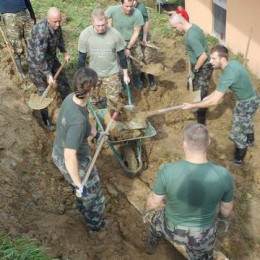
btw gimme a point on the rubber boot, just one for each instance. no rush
(201, 116)
(152, 83)
(251, 139)
(19, 65)
(46, 120)
(137, 81)
(143, 79)
(152, 243)
(240, 154)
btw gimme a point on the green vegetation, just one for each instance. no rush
(20, 249)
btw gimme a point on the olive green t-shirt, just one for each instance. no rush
(125, 24)
(142, 8)
(102, 49)
(193, 192)
(236, 78)
(73, 129)
(195, 43)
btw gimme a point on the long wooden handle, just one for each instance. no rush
(136, 60)
(152, 46)
(10, 50)
(55, 77)
(163, 110)
(103, 139)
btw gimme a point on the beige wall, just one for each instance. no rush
(242, 15)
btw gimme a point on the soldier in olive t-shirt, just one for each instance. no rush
(129, 21)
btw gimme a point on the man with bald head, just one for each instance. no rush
(46, 37)
(198, 54)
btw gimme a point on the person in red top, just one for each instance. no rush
(180, 10)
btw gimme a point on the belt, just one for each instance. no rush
(171, 225)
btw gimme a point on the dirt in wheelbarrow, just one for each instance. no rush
(37, 202)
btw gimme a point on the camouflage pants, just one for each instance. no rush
(199, 243)
(18, 27)
(243, 124)
(40, 80)
(93, 205)
(112, 88)
(201, 82)
(147, 54)
(136, 52)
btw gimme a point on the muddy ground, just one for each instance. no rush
(38, 203)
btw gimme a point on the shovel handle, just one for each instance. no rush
(55, 77)
(163, 110)
(103, 139)
(128, 94)
(10, 50)
(152, 46)
(136, 60)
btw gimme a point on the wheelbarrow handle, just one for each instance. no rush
(103, 139)
(55, 77)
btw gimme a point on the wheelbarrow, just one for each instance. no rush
(128, 148)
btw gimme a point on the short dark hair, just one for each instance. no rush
(84, 80)
(221, 50)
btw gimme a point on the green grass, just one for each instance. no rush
(20, 249)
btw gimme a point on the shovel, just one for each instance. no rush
(39, 102)
(196, 94)
(155, 69)
(142, 116)
(103, 138)
(11, 53)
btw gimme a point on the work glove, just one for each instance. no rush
(81, 191)
(146, 215)
(99, 136)
(222, 224)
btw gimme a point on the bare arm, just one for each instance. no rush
(154, 201)
(71, 163)
(145, 32)
(226, 208)
(212, 100)
(110, 22)
(201, 60)
(134, 36)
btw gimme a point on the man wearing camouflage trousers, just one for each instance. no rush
(236, 78)
(193, 189)
(46, 37)
(197, 51)
(105, 48)
(144, 38)
(128, 21)
(18, 23)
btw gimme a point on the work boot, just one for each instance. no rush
(152, 243)
(143, 79)
(201, 116)
(152, 83)
(46, 120)
(137, 81)
(94, 233)
(240, 154)
(251, 139)
(19, 66)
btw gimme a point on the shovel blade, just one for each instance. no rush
(35, 102)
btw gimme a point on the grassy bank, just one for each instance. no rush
(21, 249)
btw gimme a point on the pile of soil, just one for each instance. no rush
(38, 203)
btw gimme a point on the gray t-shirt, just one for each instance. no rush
(73, 129)
(125, 24)
(102, 49)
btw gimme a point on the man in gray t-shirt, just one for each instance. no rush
(105, 48)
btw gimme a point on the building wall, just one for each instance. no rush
(242, 18)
